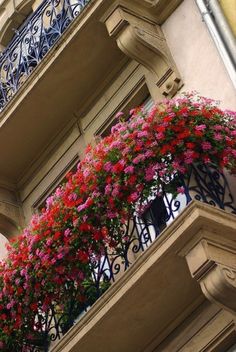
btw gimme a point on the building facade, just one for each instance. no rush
(67, 68)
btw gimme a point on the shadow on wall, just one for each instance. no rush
(8, 230)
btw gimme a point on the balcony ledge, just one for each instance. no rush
(148, 301)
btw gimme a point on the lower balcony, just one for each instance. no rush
(136, 242)
(149, 288)
(157, 295)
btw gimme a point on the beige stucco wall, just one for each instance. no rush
(3, 250)
(196, 56)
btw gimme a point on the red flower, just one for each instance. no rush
(190, 145)
(34, 307)
(83, 256)
(57, 235)
(85, 227)
(118, 167)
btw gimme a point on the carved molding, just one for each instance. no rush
(150, 3)
(142, 40)
(219, 286)
(161, 9)
(213, 265)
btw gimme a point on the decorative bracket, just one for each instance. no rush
(142, 40)
(213, 265)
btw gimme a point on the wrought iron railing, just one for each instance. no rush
(32, 42)
(203, 183)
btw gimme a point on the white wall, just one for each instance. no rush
(196, 56)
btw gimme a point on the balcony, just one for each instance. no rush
(51, 65)
(57, 82)
(129, 287)
(32, 42)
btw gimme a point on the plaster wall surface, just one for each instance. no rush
(3, 250)
(196, 56)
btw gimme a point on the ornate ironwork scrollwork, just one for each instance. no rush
(32, 42)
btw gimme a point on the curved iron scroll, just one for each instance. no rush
(35, 38)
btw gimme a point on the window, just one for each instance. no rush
(141, 97)
(60, 180)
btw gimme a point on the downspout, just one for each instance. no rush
(223, 50)
(224, 28)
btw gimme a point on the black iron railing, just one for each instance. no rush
(35, 38)
(203, 183)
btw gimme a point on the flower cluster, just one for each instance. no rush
(54, 254)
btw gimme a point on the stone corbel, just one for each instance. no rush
(150, 3)
(142, 40)
(213, 265)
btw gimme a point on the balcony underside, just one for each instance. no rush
(72, 75)
(154, 296)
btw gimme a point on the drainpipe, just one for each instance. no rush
(224, 28)
(218, 40)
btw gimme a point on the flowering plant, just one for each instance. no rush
(53, 258)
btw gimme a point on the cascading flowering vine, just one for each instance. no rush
(53, 256)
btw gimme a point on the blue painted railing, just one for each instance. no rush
(31, 43)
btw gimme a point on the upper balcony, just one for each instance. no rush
(32, 41)
(48, 71)
(53, 71)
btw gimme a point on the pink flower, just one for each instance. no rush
(206, 145)
(67, 232)
(189, 156)
(23, 272)
(111, 215)
(17, 281)
(107, 166)
(129, 169)
(119, 114)
(108, 189)
(49, 241)
(218, 136)
(139, 158)
(142, 134)
(181, 190)
(49, 201)
(159, 135)
(60, 255)
(200, 127)
(11, 304)
(133, 197)
(218, 127)
(150, 173)
(149, 154)
(116, 191)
